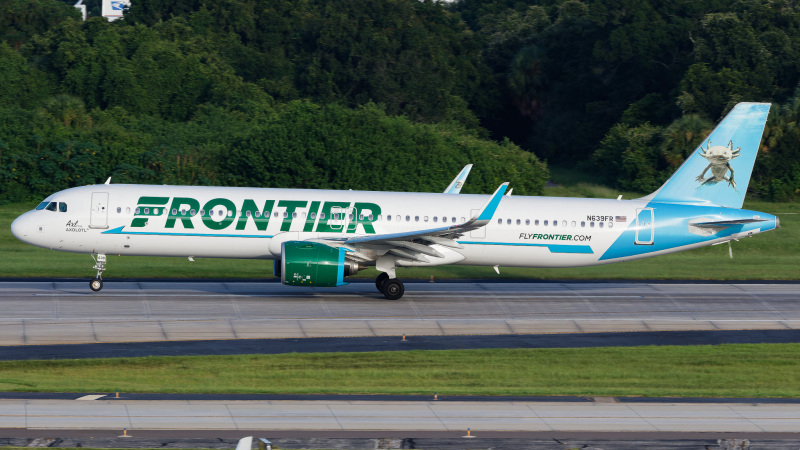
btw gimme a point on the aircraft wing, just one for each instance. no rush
(416, 245)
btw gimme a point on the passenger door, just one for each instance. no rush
(98, 217)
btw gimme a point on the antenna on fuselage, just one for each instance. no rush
(108, 181)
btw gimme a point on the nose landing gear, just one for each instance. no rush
(100, 265)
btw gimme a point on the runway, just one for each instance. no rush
(161, 313)
(67, 312)
(398, 418)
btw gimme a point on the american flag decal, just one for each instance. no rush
(620, 219)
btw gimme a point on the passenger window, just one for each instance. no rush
(416, 218)
(537, 222)
(174, 212)
(285, 214)
(388, 217)
(147, 210)
(573, 224)
(563, 223)
(499, 221)
(62, 206)
(435, 219)
(322, 215)
(370, 217)
(591, 224)
(425, 218)
(408, 218)
(527, 221)
(266, 214)
(600, 224)
(191, 212)
(583, 224)
(230, 213)
(546, 223)
(294, 215)
(508, 222)
(519, 222)
(454, 220)
(276, 214)
(444, 219)
(258, 213)
(312, 215)
(137, 210)
(555, 223)
(119, 209)
(610, 224)
(462, 219)
(397, 218)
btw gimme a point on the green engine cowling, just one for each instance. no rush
(306, 263)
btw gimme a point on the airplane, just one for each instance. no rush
(319, 237)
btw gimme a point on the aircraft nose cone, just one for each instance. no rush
(19, 229)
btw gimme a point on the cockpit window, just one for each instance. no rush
(51, 206)
(62, 207)
(42, 205)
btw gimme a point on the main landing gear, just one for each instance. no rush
(391, 288)
(100, 265)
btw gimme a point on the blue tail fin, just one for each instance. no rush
(719, 170)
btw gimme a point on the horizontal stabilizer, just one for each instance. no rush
(721, 224)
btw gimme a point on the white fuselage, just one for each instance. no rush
(227, 222)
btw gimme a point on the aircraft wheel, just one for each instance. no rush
(393, 289)
(96, 284)
(380, 280)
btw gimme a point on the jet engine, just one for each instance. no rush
(305, 263)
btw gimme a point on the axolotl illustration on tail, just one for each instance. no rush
(719, 158)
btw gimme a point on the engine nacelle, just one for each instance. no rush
(306, 263)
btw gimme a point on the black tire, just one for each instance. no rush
(380, 280)
(96, 284)
(393, 289)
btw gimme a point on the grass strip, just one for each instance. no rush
(730, 370)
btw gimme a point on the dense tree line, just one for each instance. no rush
(631, 86)
(388, 94)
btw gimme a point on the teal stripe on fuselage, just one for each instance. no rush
(554, 248)
(158, 233)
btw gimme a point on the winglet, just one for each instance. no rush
(487, 212)
(458, 181)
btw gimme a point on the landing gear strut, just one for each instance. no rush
(391, 288)
(100, 265)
